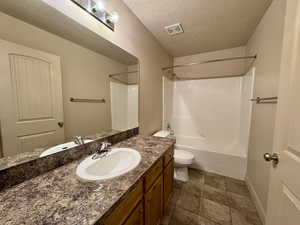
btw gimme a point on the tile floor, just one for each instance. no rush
(210, 199)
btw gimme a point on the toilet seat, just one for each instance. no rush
(183, 157)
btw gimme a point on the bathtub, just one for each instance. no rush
(228, 160)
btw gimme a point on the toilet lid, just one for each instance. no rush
(183, 157)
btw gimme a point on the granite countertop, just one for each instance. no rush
(59, 197)
(18, 159)
(14, 160)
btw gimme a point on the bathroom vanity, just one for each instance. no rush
(60, 197)
(146, 203)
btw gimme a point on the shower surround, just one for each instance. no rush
(211, 118)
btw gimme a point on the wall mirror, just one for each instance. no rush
(56, 84)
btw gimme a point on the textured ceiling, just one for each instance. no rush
(208, 24)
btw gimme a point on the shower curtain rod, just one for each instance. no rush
(204, 78)
(112, 76)
(118, 74)
(210, 61)
(123, 82)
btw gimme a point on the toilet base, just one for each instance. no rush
(181, 174)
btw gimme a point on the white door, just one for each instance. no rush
(30, 99)
(284, 189)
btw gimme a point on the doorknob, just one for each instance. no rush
(60, 124)
(272, 157)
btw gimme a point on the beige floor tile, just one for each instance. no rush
(215, 195)
(182, 217)
(241, 203)
(215, 181)
(211, 199)
(239, 218)
(215, 212)
(237, 187)
(192, 188)
(175, 196)
(167, 216)
(189, 202)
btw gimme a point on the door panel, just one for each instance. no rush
(154, 203)
(27, 143)
(31, 91)
(291, 207)
(168, 183)
(284, 194)
(31, 81)
(290, 164)
(137, 216)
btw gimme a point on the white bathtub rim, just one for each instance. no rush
(185, 147)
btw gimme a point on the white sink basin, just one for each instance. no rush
(116, 163)
(62, 147)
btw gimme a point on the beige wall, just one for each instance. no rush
(131, 35)
(84, 75)
(267, 43)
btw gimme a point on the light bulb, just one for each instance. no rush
(89, 6)
(100, 5)
(114, 17)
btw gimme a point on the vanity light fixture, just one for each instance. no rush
(96, 8)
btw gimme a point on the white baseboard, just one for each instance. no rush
(260, 209)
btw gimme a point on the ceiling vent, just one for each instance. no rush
(174, 29)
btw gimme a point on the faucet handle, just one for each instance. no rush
(76, 140)
(79, 140)
(105, 145)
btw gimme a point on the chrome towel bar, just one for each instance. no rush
(87, 100)
(268, 100)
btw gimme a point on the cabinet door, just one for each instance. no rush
(137, 216)
(154, 203)
(127, 206)
(168, 183)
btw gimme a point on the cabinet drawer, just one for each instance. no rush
(137, 216)
(168, 156)
(121, 213)
(152, 174)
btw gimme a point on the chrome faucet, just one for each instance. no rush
(102, 151)
(78, 140)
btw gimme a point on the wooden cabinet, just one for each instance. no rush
(154, 203)
(145, 204)
(153, 173)
(121, 213)
(137, 216)
(168, 156)
(168, 183)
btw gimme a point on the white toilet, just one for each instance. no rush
(183, 159)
